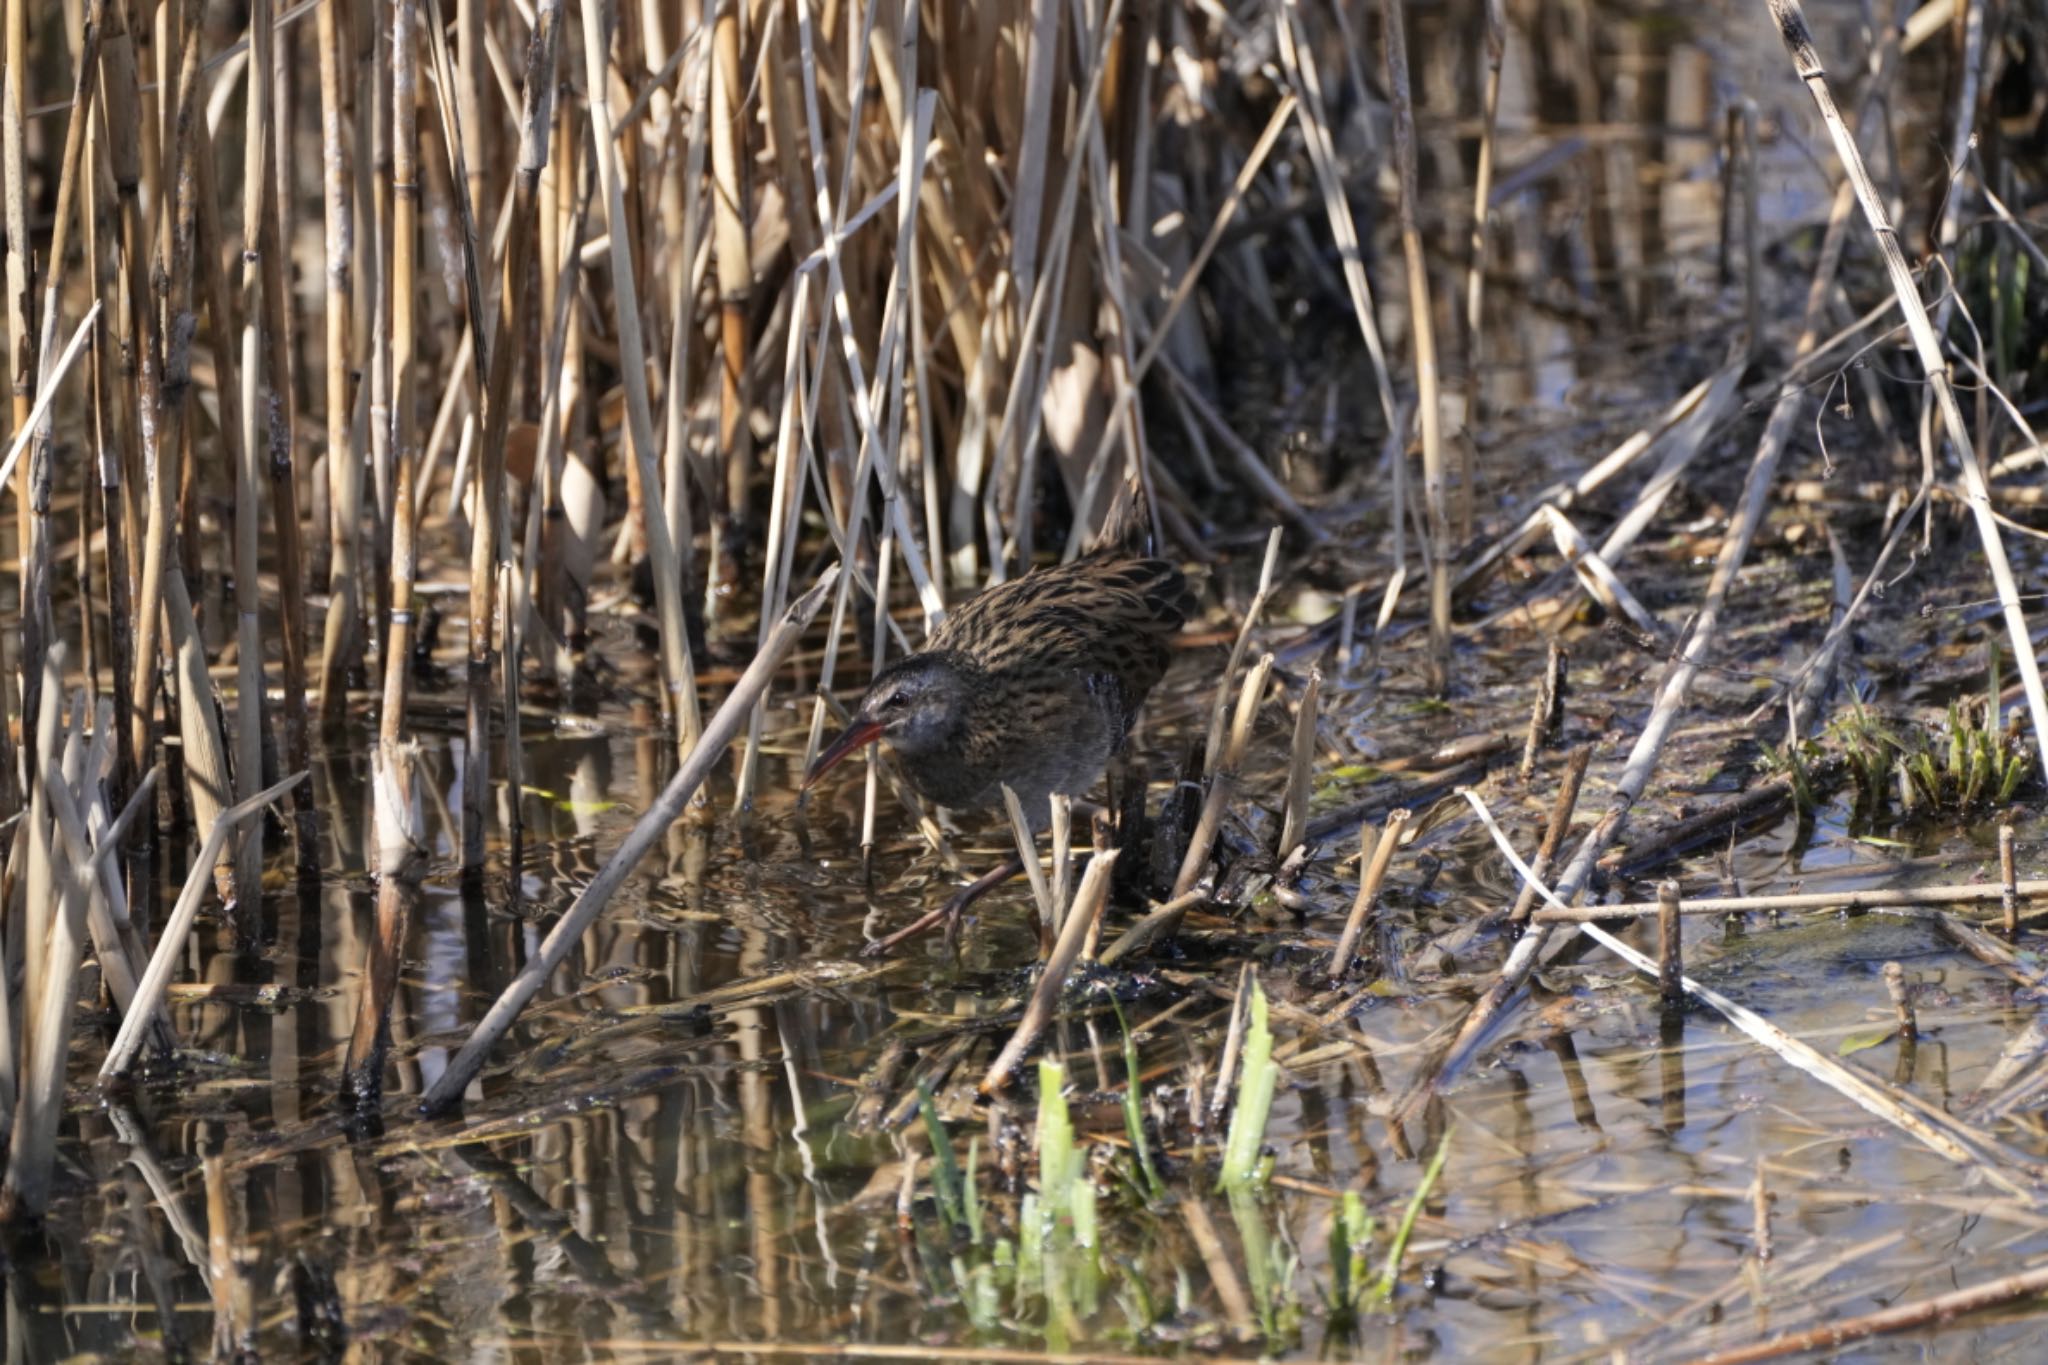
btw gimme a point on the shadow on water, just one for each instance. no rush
(714, 1131)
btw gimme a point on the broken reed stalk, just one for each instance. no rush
(1300, 767)
(1553, 834)
(718, 732)
(1062, 885)
(1223, 780)
(1547, 714)
(1937, 1131)
(1422, 331)
(170, 946)
(1233, 1044)
(2008, 878)
(1806, 63)
(1832, 1336)
(1089, 900)
(1902, 1000)
(1880, 898)
(1670, 948)
(1376, 853)
(1027, 854)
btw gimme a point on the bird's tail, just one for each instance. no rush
(1127, 526)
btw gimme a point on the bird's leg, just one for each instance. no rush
(950, 911)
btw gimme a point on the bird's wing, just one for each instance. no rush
(1102, 614)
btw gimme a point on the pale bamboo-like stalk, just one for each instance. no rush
(249, 688)
(20, 298)
(1422, 331)
(729, 234)
(405, 204)
(339, 643)
(400, 833)
(679, 678)
(675, 460)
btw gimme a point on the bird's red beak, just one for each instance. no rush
(858, 735)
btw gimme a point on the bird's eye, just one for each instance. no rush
(892, 703)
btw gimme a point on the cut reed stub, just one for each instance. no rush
(1376, 852)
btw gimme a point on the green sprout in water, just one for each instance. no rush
(1134, 1117)
(1258, 1078)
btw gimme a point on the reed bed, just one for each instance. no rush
(397, 390)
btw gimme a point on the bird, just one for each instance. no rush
(1033, 684)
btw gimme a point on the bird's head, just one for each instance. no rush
(917, 706)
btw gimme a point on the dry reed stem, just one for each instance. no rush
(1597, 576)
(1376, 851)
(339, 644)
(678, 674)
(1233, 1044)
(51, 947)
(46, 391)
(1422, 330)
(1553, 834)
(2008, 877)
(1563, 496)
(170, 946)
(1832, 902)
(1670, 947)
(1938, 1309)
(1299, 58)
(1089, 900)
(1027, 853)
(1300, 768)
(718, 732)
(1223, 781)
(1159, 923)
(1806, 63)
(1062, 809)
(1546, 713)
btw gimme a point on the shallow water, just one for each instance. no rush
(666, 1157)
